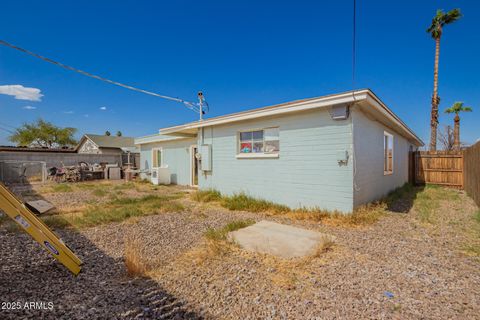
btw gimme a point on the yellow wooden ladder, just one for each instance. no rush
(39, 231)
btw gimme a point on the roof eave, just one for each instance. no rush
(299, 106)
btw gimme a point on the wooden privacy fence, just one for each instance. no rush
(438, 167)
(472, 172)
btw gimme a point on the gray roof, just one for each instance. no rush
(103, 141)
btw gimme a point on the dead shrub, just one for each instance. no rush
(325, 244)
(135, 262)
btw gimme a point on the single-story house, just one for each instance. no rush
(124, 147)
(103, 144)
(333, 152)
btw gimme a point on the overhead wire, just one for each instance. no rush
(190, 105)
(7, 130)
(354, 53)
(7, 125)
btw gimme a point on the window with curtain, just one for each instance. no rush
(259, 141)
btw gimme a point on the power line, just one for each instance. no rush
(190, 105)
(354, 47)
(7, 130)
(7, 125)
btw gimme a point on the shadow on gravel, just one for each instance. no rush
(102, 290)
(402, 199)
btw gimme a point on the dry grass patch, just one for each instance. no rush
(86, 186)
(116, 210)
(59, 188)
(124, 208)
(243, 202)
(472, 246)
(325, 244)
(288, 273)
(134, 257)
(427, 202)
(206, 252)
(362, 216)
(216, 244)
(208, 195)
(221, 234)
(99, 192)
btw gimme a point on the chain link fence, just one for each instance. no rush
(24, 172)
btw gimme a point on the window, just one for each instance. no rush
(156, 157)
(265, 141)
(387, 153)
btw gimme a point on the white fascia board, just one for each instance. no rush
(156, 139)
(384, 110)
(303, 105)
(274, 110)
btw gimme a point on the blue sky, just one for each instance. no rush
(242, 54)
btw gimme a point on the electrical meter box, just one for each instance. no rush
(342, 156)
(206, 157)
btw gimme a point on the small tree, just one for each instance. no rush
(43, 134)
(456, 108)
(446, 138)
(119, 133)
(107, 133)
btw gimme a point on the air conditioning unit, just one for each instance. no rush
(160, 175)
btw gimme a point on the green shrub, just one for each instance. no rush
(117, 210)
(99, 192)
(56, 221)
(243, 202)
(221, 234)
(124, 186)
(86, 186)
(61, 187)
(477, 216)
(207, 195)
(427, 202)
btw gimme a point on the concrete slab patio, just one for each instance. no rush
(278, 239)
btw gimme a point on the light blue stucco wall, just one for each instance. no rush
(176, 154)
(370, 182)
(306, 174)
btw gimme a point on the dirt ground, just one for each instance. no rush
(420, 260)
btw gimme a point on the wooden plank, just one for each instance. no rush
(443, 170)
(472, 172)
(440, 167)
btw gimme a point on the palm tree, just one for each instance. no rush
(436, 28)
(456, 108)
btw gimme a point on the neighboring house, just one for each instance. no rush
(334, 152)
(16, 162)
(102, 144)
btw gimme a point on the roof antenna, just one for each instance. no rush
(201, 104)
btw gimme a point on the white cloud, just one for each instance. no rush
(29, 108)
(68, 112)
(103, 108)
(21, 93)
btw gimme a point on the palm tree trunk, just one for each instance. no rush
(456, 133)
(435, 100)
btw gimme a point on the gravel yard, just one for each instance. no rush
(401, 267)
